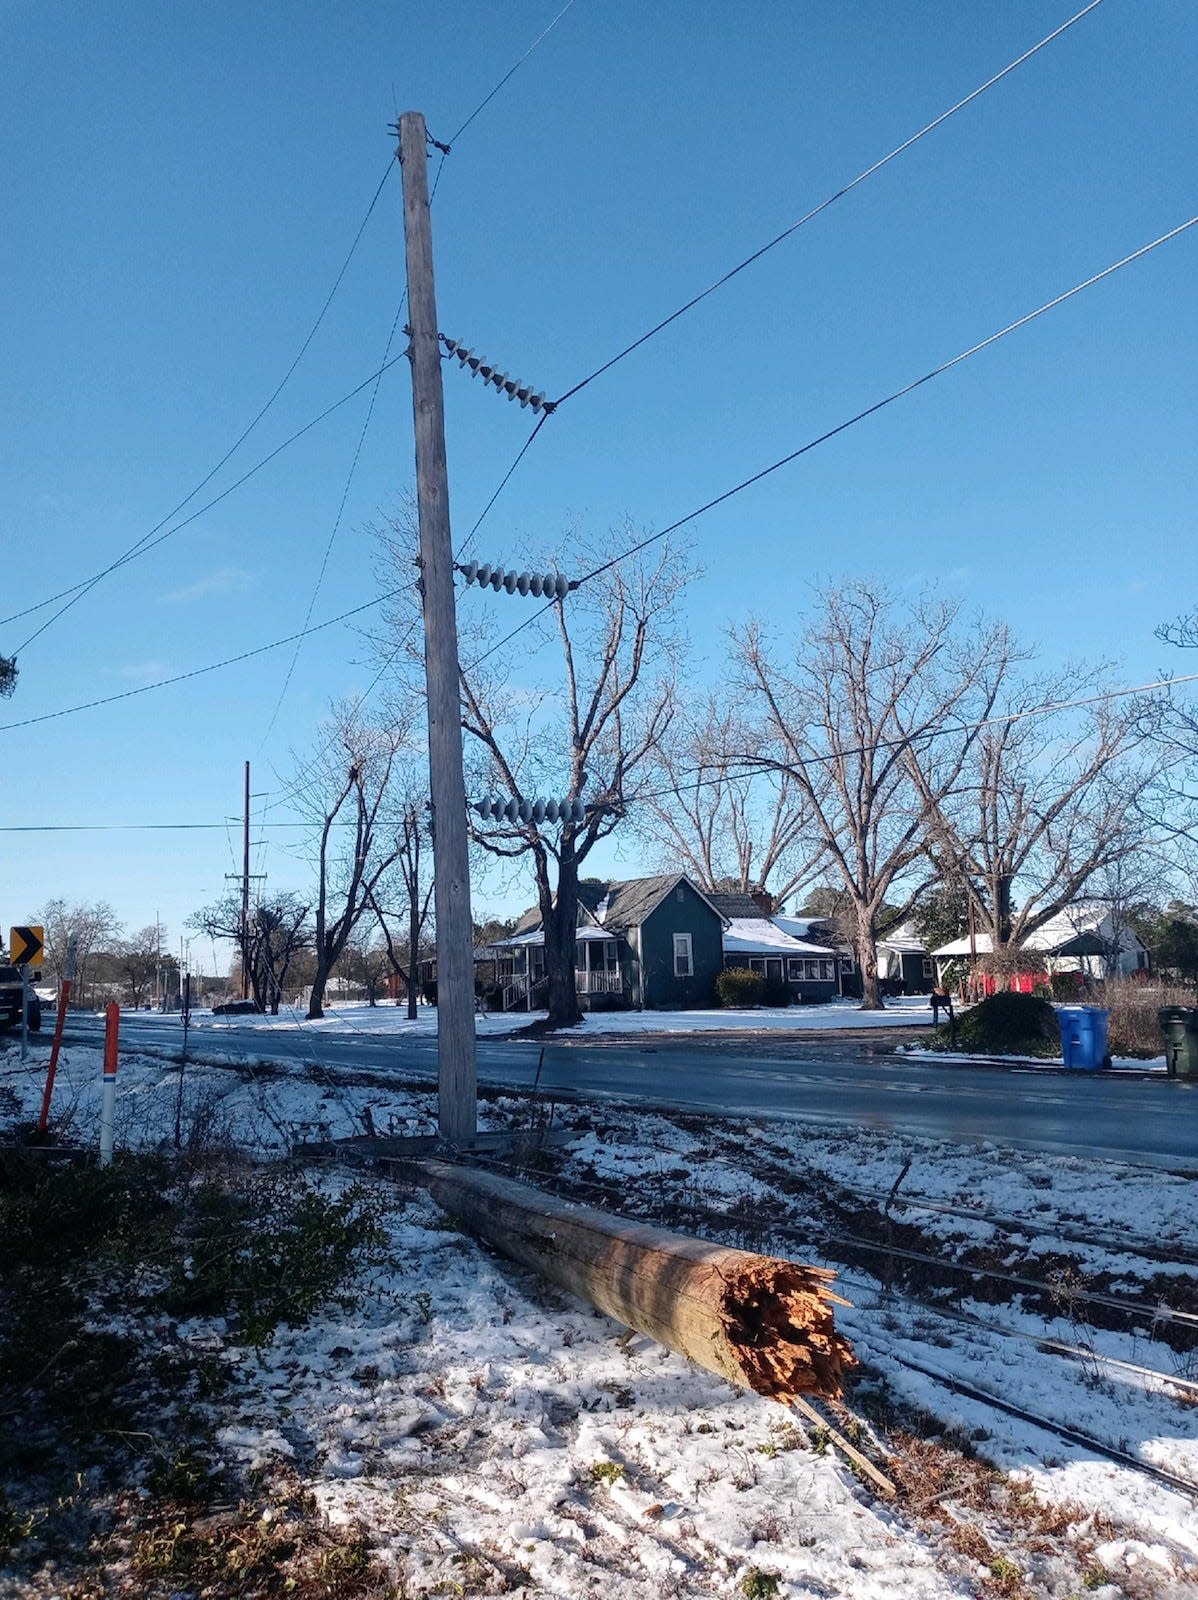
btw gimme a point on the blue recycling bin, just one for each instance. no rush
(1084, 1036)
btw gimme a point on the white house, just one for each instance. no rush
(1082, 938)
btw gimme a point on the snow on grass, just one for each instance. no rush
(465, 1408)
(909, 1011)
(478, 1422)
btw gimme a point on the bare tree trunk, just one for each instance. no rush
(414, 921)
(559, 919)
(867, 960)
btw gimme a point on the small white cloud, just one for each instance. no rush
(145, 671)
(225, 580)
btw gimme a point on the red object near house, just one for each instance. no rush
(1017, 983)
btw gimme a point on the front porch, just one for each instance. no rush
(521, 980)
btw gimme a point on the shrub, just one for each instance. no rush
(269, 1250)
(1135, 1029)
(1067, 986)
(758, 1585)
(739, 986)
(1006, 1025)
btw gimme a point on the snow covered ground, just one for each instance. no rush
(477, 1422)
(909, 1011)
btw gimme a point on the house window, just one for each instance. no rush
(683, 964)
(794, 970)
(826, 971)
(927, 966)
(847, 965)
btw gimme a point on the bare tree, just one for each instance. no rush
(345, 791)
(1169, 804)
(592, 736)
(1124, 888)
(1044, 806)
(728, 827)
(139, 960)
(277, 932)
(868, 682)
(407, 891)
(94, 926)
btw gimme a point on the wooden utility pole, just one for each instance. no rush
(458, 1091)
(245, 890)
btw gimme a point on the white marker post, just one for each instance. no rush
(24, 1012)
(108, 1102)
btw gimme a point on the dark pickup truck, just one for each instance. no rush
(10, 1001)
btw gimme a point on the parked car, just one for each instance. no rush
(10, 1001)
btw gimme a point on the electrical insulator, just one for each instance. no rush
(514, 390)
(550, 585)
(495, 808)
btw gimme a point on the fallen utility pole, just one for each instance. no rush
(761, 1323)
(458, 1091)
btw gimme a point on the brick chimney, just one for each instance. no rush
(763, 900)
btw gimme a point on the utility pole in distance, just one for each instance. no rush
(245, 890)
(244, 877)
(457, 1080)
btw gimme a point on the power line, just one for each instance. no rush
(486, 101)
(198, 672)
(445, 150)
(739, 767)
(328, 549)
(147, 827)
(831, 200)
(143, 548)
(745, 766)
(79, 590)
(808, 216)
(503, 483)
(850, 422)
(642, 544)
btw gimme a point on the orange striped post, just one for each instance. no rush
(112, 1028)
(64, 995)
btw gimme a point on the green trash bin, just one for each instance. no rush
(1179, 1024)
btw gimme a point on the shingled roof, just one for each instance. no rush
(617, 907)
(735, 905)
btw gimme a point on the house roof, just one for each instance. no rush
(903, 939)
(800, 927)
(735, 905)
(629, 904)
(1075, 931)
(616, 907)
(536, 936)
(761, 935)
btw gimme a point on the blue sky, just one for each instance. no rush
(181, 185)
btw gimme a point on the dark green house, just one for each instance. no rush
(649, 943)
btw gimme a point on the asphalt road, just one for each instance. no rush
(1149, 1121)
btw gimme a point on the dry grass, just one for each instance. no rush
(1135, 1028)
(993, 1521)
